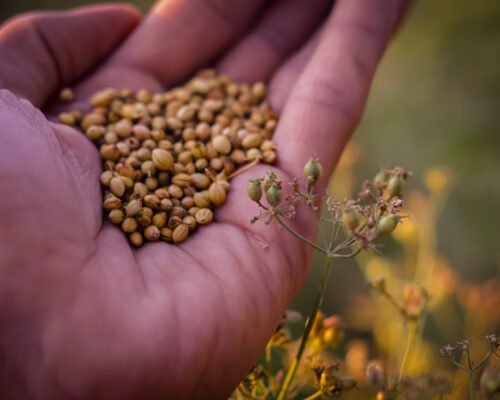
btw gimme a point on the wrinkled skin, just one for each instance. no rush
(82, 315)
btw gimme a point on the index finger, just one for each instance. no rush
(326, 103)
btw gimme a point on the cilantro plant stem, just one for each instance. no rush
(470, 371)
(299, 236)
(410, 338)
(305, 336)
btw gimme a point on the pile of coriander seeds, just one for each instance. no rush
(168, 157)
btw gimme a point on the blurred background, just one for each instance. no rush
(434, 109)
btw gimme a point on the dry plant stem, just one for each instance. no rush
(244, 168)
(299, 236)
(314, 395)
(410, 338)
(350, 255)
(305, 336)
(470, 371)
(268, 354)
(394, 303)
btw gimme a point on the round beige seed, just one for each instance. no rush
(190, 221)
(180, 233)
(152, 233)
(123, 128)
(166, 234)
(200, 181)
(136, 239)
(152, 201)
(201, 199)
(103, 98)
(175, 191)
(204, 216)
(181, 180)
(141, 189)
(143, 218)
(117, 186)
(159, 219)
(252, 140)
(67, 95)
(186, 113)
(112, 203)
(269, 156)
(129, 225)
(162, 159)
(92, 119)
(109, 152)
(221, 144)
(217, 194)
(106, 177)
(67, 119)
(116, 216)
(133, 207)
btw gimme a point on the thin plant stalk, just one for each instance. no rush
(410, 338)
(305, 336)
(470, 371)
(298, 235)
(268, 355)
(314, 395)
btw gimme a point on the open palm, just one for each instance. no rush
(82, 315)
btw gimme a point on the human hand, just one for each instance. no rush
(82, 315)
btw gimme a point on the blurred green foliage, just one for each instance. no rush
(435, 102)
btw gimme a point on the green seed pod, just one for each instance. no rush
(381, 179)
(395, 185)
(254, 190)
(269, 180)
(313, 170)
(350, 218)
(387, 224)
(273, 195)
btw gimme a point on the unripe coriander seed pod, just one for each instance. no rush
(387, 224)
(350, 218)
(254, 190)
(273, 195)
(313, 170)
(269, 180)
(395, 185)
(381, 179)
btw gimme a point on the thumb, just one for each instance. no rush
(41, 52)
